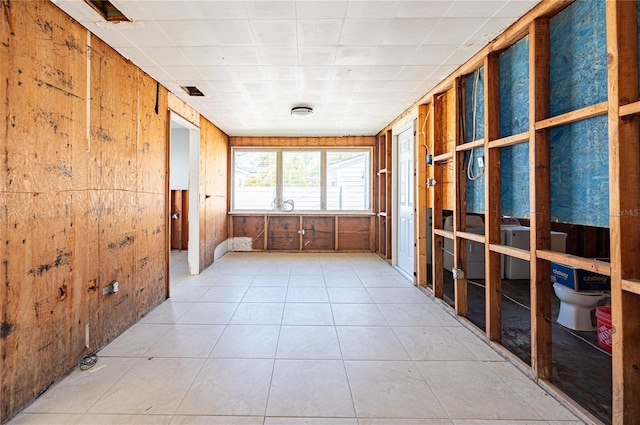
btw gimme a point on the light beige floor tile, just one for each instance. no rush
(229, 387)
(391, 390)
(381, 281)
(169, 312)
(445, 318)
(217, 420)
(248, 342)
(307, 295)
(135, 341)
(370, 343)
(462, 387)
(186, 341)
(209, 314)
(310, 421)
(265, 294)
(106, 419)
(406, 422)
(393, 295)
(429, 343)
(308, 342)
(235, 279)
(481, 349)
(496, 422)
(339, 281)
(155, 386)
(349, 295)
(307, 314)
(271, 280)
(536, 397)
(358, 315)
(202, 279)
(224, 294)
(45, 419)
(310, 388)
(408, 315)
(87, 386)
(187, 293)
(258, 314)
(304, 280)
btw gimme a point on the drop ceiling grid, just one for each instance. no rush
(359, 64)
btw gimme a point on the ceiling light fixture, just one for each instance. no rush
(301, 111)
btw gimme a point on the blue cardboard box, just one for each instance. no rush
(578, 279)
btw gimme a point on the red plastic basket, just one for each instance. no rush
(603, 314)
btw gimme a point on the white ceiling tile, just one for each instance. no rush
(372, 9)
(516, 8)
(474, 9)
(393, 55)
(454, 30)
(382, 72)
(432, 54)
(227, 87)
(348, 73)
(281, 72)
(366, 32)
(403, 32)
(222, 72)
(209, 33)
(165, 56)
(372, 86)
(403, 86)
(182, 10)
(321, 9)
(490, 30)
(275, 32)
(109, 34)
(248, 72)
(265, 9)
(318, 55)
(319, 32)
(423, 9)
(354, 55)
(312, 73)
(278, 55)
(183, 73)
(136, 56)
(415, 72)
(145, 34)
(341, 86)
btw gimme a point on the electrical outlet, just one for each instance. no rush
(457, 273)
(481, 162)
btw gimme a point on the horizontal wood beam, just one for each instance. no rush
(470, 236)
(470, 145)
(444, 233)
(443, 157)
(630, 109)
(511, 251)
(589, 264)
(631, 285)
(510, 140)
(321, 141)
(573, 116)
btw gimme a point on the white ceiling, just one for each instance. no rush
(358, 63)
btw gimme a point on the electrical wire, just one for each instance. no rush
(470, 175)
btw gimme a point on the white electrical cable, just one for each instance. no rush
(470, 174)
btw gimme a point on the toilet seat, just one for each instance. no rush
(577, 308)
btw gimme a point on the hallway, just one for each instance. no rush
(288, 339)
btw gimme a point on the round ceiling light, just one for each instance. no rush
(301, 111)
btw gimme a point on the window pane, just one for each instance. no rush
(254, 178)
(348, 180)
(301, 179)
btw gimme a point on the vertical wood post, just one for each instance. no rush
(437, 199)
(460, 207)
(421, 198)
(540, 199)
(493, 265)
(624, 199)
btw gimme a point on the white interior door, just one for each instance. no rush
(405, 191)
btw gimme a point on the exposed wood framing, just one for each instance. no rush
(573, 116)
(539, 192)
(624, 187)
(344, 141)
(181, 108)
(460, 210)
(421, 196)
(493, 262)
(509, 141)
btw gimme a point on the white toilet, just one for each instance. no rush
(577, 307)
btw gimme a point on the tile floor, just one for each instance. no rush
(288, 339)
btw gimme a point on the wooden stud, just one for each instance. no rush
(421, 197)
(437, 241)
(624, 198)
(573, 116)
(460, 210)
(540, 199)
(493, 261)
(389, 191)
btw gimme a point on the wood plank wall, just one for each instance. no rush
(623, 110)
(84, 196)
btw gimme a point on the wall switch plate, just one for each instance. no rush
(481, 161)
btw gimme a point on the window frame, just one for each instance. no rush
(323, 178)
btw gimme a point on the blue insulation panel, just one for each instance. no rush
(580, 173)
(514, 119)
(578, 62)
(475, 188)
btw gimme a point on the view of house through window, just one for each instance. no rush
(302, 179)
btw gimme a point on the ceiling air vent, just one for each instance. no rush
(107, 10)
(192, 91)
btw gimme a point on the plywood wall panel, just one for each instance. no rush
(320, 234)
(251, 227)
(283, 233)
(354, 233)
